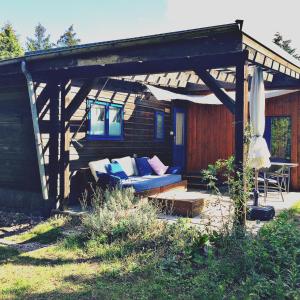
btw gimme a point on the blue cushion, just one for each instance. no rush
(116, 170)
(143, 166)
(148, 182)
(174, 170)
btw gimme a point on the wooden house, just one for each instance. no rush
(48, 98)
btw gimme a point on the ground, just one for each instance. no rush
(48, 268)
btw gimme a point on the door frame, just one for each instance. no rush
(180, 106)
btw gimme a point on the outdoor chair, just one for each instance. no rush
(273, 179)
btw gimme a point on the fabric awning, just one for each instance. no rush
(161, 94)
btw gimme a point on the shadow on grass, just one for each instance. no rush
(7, 252)
(48, 237)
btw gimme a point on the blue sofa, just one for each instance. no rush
(139, 183)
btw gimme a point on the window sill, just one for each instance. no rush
(104, 138)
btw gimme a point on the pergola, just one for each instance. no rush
(189, 61)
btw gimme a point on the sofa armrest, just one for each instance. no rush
(174, 170)
(106, 180)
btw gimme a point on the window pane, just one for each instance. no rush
(179, 129)
(281, 137)
(115, 119)
(159, 126)
(97, 126)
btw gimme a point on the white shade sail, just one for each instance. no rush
(259, 154)
(164, 95)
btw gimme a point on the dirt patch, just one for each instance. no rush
(14, 223)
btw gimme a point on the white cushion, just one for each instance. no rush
(98, 166)
(128, 165)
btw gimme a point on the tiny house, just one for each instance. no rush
(62, 108)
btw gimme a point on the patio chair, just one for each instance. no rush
(273, 179)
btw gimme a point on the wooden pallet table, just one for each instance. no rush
(183, 203)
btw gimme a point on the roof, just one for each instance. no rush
(166, 59)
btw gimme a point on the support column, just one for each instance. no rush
(64, 147)
(53, 140)
(241, 120)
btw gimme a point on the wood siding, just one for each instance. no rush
(19, 169)
(211, 132)
(139, 111)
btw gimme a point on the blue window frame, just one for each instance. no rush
(105, 120)
(159, 126)
(278, 135)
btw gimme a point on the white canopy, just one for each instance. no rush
(161, 94)
(259, 154)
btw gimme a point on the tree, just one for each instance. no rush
(41, 40)
(10, 46)
(285, 45)
(69, 38)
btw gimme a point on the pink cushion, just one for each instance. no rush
(158, 167)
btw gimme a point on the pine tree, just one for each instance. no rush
(69, 38)
(285, 45)
(10, 46)
(41, 40)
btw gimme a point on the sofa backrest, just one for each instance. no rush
(98, 166)
(128, 165)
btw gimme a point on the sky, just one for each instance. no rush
(102, 20)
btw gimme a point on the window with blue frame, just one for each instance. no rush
(278, 136)
(159, 125)
(105, 120)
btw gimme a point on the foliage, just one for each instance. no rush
(69, 38)
(167, 261)
(223, 172)
(10, 46)
(285, 45)
(40, 41)
(116, 213)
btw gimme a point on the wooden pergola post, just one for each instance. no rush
(64, 164)
(241, 120)
(53, 139)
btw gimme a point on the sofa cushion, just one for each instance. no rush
(143, 166)
(128, 165)
(98, 166)
(116, 170)
(158, 167)
(174, 170)
(144, 183)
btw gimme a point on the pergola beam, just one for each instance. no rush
(214, 86)
(143, 67)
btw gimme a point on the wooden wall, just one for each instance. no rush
(138, 131)
(211, 132)
(139, 111)
(18, 162)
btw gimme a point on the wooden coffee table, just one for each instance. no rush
(183, 203)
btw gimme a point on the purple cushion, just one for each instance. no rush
(158, 167)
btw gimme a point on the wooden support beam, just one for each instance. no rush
(241, 120)
(214, 86)
(53, 169)
(143, 67)
(65, 139)
(79, 97)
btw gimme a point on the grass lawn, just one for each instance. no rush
(266, 267)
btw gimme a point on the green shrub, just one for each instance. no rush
(116, 214)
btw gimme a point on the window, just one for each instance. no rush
(159, 125)
(105, 120)
(278, 137)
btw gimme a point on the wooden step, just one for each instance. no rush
(183, 203)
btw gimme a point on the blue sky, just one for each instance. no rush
(111, 19)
